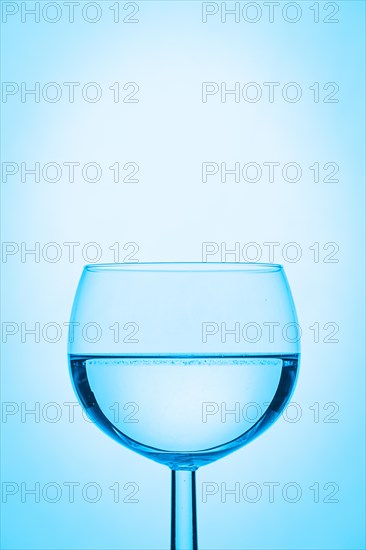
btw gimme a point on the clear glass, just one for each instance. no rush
(171, 360)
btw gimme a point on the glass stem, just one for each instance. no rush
(184, 519)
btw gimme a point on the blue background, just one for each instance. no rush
(169, 213)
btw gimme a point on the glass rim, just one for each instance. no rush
(249, 267)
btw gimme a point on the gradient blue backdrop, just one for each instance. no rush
(169, 213)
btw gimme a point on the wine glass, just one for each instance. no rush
(170, 355)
